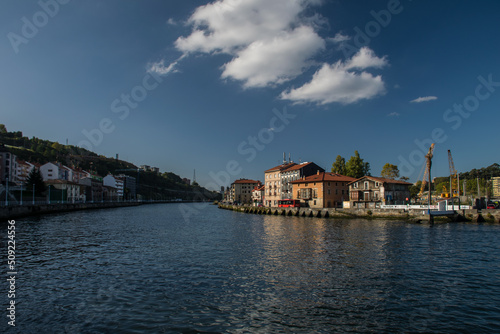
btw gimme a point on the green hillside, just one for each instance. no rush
(150, 184)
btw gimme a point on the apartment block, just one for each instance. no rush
(322, 190)
(241, 190)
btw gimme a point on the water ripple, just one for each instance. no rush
(148, 270)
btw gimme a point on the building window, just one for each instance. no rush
(329, 192)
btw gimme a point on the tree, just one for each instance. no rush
(390, 171)
(339, 166)
(415, 189)
(35, 178)
(3, 129)
(356, 167)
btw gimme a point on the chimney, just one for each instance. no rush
(317, 173)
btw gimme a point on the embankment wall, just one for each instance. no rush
(413, 215)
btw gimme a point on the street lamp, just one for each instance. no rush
(6, 191)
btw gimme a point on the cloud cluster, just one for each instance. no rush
(339, 83)
(273, 42)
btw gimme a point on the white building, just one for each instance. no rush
(258, 195)
(56, 171)
(117, 183)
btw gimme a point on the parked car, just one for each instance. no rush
(491, 206)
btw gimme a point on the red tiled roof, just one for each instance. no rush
(325, 177)
(383, 180)
(296, 167)
(280, 167)
(261, 188)
(245, 181)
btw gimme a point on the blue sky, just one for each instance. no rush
(225, 87)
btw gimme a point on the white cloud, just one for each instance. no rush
(393, 114)
(338, 83)
(171, 22)
(270, 41)
(339, 38)
(225, 25)
(424, 99)
(161, 69)
(275, 60)
(366, 58)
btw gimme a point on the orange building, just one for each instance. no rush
(322, 190)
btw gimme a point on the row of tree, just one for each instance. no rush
(476, 181)
(356, 167)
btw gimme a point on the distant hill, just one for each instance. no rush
(151, 185)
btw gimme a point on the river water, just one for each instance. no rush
(187, 268)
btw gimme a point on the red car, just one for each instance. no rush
(491, 206)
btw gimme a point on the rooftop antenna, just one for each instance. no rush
(284, 158)
(194, 176)
(289, 157)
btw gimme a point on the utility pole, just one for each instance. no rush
(428, 158)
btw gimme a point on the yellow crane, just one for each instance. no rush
(427, 173)
(454, 185)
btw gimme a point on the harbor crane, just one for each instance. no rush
(427, 173)
(454, 178)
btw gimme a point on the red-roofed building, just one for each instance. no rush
(295, 173)
(322, 190)
(241, 191)
(371, 192)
